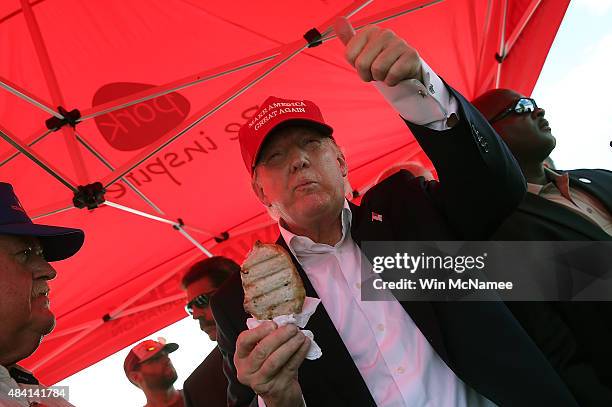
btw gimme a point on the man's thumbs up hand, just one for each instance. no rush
(378, 54)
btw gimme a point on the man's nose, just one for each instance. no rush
(45, 271)
(299, 159)
(539, 112)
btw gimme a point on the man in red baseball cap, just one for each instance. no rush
(394, 352)
(148, 367)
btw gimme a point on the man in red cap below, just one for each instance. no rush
(25, 317)
(393, 352)
(149, 368)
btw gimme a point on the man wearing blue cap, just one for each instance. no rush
(25, 252)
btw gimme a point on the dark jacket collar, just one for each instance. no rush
(556, 213)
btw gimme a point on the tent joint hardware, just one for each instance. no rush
(500, 58)
(222, 237)
(313, 37)
(90, 196)
(179, 224)
(106, 317)
(70, 118)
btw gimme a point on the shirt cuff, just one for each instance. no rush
(427, 104)
(262, 403)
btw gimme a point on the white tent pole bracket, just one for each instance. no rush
(177, 225)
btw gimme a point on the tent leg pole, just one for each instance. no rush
(525, 18)
(502, 43)
(481, 58)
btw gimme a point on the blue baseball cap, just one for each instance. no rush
(58, 243)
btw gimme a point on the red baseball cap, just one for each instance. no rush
(272, 113)
(145, 350)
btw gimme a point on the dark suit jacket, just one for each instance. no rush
(482, 343)
(575, 336)
(207, 385)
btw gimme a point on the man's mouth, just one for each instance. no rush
(304, 184)
(41, 295)
(37, 292)
(544, 125)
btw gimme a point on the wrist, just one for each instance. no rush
(291, 397)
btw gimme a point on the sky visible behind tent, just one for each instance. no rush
(574, 88)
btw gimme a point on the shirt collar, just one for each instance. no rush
(302, 245)
(18, 373)
(555, 180)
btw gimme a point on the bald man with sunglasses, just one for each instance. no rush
(573, 205)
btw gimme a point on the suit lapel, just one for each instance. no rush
(336, 362)
(374, 226)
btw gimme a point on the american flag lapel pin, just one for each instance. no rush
(376, 217)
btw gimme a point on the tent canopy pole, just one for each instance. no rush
(37, 160)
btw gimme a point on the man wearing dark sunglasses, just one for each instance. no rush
(25, 315)
(207, 385)
(560, 205)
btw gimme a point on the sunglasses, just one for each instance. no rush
(201, 302)
(521, 106)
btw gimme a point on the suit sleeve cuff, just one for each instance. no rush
(427, 104)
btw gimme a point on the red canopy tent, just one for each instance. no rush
(161, 87)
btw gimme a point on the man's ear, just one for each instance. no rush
(342, 162)
(259, 190)
(135, 377)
